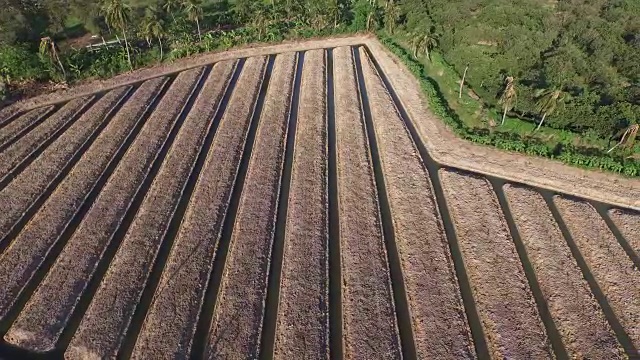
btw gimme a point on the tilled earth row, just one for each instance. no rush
(284, 207)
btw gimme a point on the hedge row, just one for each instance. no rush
(572, 155)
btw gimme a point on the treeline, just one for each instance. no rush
(573, 63)
(38, 37)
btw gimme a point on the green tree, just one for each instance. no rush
(509, 97)
(260, 21)
(547, 102)
(49, 49)
(170, 6)
(153, 27)
(391, 16)
(193, 9)
(117, 14)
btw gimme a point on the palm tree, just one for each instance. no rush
(628, 137)
(508, 98)
(548, 100)
(429, 41)
(193, 8)
(48, 48)
(117, 15)
(152, 27)
(424, 42)
(170, 6)
(260, 22)
(391, 16)
(464, 76)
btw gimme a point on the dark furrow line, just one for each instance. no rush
(12, 117)
(157, 268)
(215, 279)
(44, 116)
(76, 219)
(130, 214)
(62, 174)
(603, 210)
(403, 313)
(33, 155)
(270, 319)
(543, 308)
(433, 168)
(615, 324)
(336, 350)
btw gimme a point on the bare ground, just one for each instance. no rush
(611, 267)
(28, 185)
(628, 222)
(22, 149)
(302, 329)
(106, 216)
(505, 304)
(439, 320)
(581, 323)
(43, 231)
(17, 126)
(174, 310)
(51, 307)
(157, 210)
(370, 329)
(237, 335)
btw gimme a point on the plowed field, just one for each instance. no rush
(287, 204)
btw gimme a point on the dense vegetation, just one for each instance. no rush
(581, 56)
(572, 65)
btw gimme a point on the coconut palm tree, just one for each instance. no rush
(547, 102)
(391, 16)
(423, 42)
(193, 9)
(509, 97)
(170, 6)
(117, 15)
(464, 76)
(152, 27)
(48, 48)
(260, 22)
(628, 137)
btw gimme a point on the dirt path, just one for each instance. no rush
(581, 323)
(237, 334)
(439, 321)
(17, 127)
(16, 198)
(302, 330)
(172, 315)
(30, 143)
(125, 278)
(628, 223)
(505, 304)
(249, 50)
(611, 267)
(370, 329)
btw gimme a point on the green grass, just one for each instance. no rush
(475, 114)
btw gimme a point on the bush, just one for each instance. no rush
(568, 154)
(19, 63)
